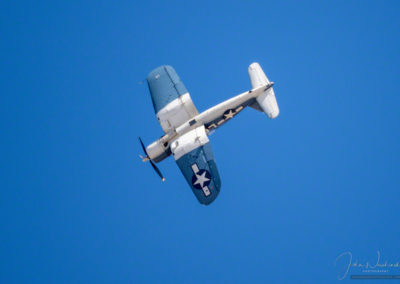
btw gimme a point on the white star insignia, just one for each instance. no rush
(230, 114)
(201, 179)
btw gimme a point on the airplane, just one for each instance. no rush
(186, 130)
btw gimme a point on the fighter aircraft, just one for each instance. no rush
(186, 130)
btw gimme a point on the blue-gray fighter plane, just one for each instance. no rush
(186, 130)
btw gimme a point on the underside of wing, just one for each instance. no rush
(194, 157)
(172, 103)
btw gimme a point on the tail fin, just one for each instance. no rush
(267, 100)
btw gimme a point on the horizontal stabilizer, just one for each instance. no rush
(257, 76)
(267, 100)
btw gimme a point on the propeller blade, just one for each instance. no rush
(157, 170)
(151, 162)
(144, 148)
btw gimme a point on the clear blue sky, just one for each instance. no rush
(78, 206)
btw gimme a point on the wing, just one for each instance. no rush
(172, 103)
(194, 157)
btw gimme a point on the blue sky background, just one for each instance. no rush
(78, 206)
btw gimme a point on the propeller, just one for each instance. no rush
(151, 162)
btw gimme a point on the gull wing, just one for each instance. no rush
(194, 157)
(171, 101)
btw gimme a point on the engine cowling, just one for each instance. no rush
(158, 151)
